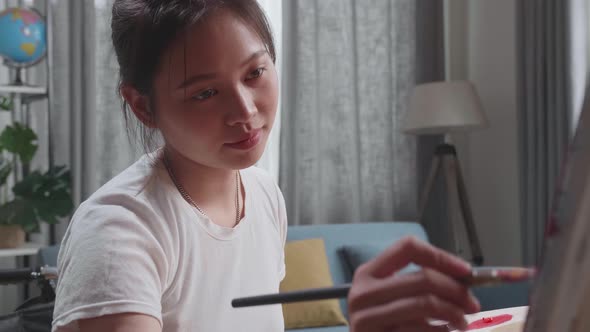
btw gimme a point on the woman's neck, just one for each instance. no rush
(212, 189)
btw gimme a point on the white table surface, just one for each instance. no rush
(28, 249)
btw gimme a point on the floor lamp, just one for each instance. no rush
(442, 108)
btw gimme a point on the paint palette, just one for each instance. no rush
(502, 320)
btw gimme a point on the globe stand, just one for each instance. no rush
(18, 80)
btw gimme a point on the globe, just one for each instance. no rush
(22, 37)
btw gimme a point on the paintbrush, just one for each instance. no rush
(480, 276)
(489, 276)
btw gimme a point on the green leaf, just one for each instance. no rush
(39, 197)
(28, 185)
(20, 140)
(6, 104)
(58, 205)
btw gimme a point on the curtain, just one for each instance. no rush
(579, 45)
(88, 126)
(349, 70)
(430, 66)
(545, 108)
(270, 160)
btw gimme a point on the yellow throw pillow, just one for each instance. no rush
(307, 267)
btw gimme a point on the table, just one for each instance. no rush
(24, 251)
(28, 249)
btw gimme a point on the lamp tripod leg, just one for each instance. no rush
(434, 169)
(468, 218)
(457, 197)
(445, 157)
(450, 174)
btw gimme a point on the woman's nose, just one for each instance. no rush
(242, 106)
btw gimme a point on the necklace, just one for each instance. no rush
(190, 200)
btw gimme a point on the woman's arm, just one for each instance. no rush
(111, 262)
(121, 323)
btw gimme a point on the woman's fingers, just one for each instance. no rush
(402, 313)
(381, 300)
(411, 250)
(426, 281)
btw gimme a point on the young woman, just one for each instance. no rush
(166, 244)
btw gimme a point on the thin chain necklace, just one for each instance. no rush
(190, 200)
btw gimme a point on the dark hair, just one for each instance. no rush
(142, 30)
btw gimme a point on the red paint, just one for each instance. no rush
(489, 322)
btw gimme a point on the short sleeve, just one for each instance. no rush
(283, 226)
(111, 261)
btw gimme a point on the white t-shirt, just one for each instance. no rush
(137, 246)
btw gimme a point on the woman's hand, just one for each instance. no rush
(381, 300)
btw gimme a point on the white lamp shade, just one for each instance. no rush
(444, 107)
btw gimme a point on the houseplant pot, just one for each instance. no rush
(11, 236)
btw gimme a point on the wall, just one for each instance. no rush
(482, 36)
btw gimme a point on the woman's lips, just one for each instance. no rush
(248, 141)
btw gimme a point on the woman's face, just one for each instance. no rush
(216, 93)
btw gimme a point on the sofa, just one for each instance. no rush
(378, 236)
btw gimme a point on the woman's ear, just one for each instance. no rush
(140, 105)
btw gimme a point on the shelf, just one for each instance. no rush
(28, 90)
(28, 249)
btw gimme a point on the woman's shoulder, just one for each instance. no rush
(134, 198)
(133, 180)
(116, 217)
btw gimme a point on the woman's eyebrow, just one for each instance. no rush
(196, 78)
(209, 76)
(254, 56)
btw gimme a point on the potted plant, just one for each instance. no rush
(36, 196)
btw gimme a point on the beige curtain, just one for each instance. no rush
(349, 70)
(545, 97)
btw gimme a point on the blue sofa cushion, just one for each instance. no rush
(356, 255)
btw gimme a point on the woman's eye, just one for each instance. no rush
(205, 94)
(256, 73)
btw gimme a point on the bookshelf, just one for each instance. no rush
(22, 94)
